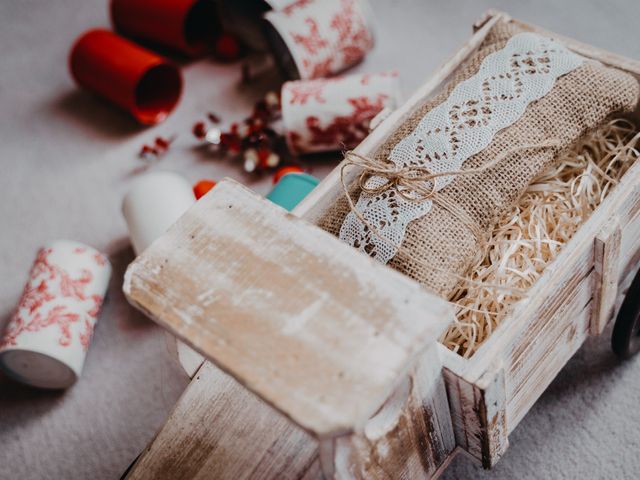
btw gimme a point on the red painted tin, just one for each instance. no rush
(137, 80)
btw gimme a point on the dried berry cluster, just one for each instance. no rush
(253, 141)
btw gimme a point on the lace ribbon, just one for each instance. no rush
(410, 183)
(403, 188)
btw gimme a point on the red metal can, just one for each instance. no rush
(137, 80)
(188, 26)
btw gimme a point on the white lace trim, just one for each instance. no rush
(479, 107)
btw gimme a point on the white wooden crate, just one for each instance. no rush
(330, 374)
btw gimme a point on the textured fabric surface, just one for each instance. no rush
(438, 248)
(492, 99)
(66, 160)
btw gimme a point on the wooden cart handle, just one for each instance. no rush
(318, 330)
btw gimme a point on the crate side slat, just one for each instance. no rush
(206, 436)
(411, 436)
(547, 368)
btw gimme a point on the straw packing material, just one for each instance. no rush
(532, 233)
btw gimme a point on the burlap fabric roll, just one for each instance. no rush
(438, 247)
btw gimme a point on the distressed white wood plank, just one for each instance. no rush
(317, 330)
(219, 430)
(630, 245)
(545, 370)
(562, 335)
(606, 275)
(490, 393)
(411, 436)
(479, 414)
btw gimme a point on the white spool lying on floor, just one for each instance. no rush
(46, 340)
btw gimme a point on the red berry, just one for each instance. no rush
(199, 130)
(162, 143)
(227, 48)
(146, 151)
(202, 187)
(231, 142)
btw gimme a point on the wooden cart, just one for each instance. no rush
(324, 362)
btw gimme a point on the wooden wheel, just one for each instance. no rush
(625, 340)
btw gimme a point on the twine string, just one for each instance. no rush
(416, 184)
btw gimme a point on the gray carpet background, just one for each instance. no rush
(66, 159)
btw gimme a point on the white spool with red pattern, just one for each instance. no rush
(335, 113)
(320, 37)
(46, 340)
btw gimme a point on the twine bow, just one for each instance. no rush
(416, 184)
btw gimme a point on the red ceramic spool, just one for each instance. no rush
(139, 81)
(188, 26)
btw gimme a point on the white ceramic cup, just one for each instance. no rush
(46, 340)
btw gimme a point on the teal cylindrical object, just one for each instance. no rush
(291, 189)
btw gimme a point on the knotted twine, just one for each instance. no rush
(415, 184)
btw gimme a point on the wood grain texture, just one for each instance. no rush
(606, 275)
(411, 436)
(479, 414)
(219, 430)
(318, 331)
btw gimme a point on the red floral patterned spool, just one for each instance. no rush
(319, 38)
(46, 340)
(334, 114)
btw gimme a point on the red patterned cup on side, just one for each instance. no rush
(46, 340)
(335, 113)
(319, 38)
